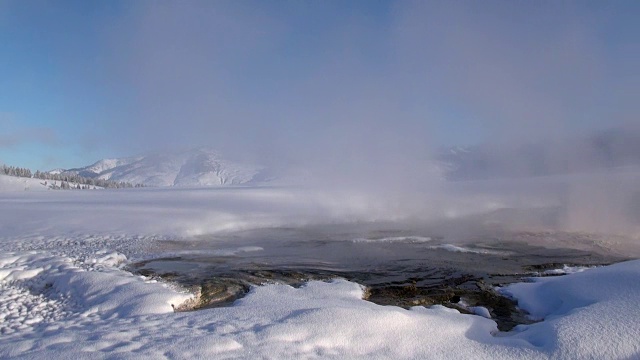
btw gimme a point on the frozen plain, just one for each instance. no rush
(64, 292)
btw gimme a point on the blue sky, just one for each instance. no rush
(83, 80)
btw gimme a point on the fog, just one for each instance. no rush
(368, 96)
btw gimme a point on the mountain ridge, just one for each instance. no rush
(194, 167)
(608, 149)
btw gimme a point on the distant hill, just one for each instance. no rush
(608, 149)
(603, 150)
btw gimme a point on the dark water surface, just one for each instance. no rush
(398, 267)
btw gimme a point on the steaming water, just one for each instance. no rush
(371, 254)
(400, 264)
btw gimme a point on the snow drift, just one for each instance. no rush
(52, 308)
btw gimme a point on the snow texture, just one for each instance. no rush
(65, 293)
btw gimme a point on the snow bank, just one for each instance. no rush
(107, 312)
(590, 314)
(53, 308)
(37, 289)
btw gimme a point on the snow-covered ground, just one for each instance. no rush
(65, 293)
(15, 183)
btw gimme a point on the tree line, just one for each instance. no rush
(67, 180)
(15, 171)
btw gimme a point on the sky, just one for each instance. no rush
(348, 82)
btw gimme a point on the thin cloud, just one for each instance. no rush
(34, 135)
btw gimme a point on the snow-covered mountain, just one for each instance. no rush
(108, 164)
(606, 149)
(196, 167)
(614, 148)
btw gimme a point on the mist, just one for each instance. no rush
(365, 97)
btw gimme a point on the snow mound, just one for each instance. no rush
(14, 183)
(590, 314)
(43, 290)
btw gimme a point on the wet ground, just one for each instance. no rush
(402, 267)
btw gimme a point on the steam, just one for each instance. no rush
(390, 85)
(362, 97)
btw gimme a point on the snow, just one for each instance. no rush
(108, 164)
(566, 269)
(14, 183)
(47, 290)
(196, 167)
(481, 311)
(590, 314)
(65, 291)
(111, 312)
(56, 171)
